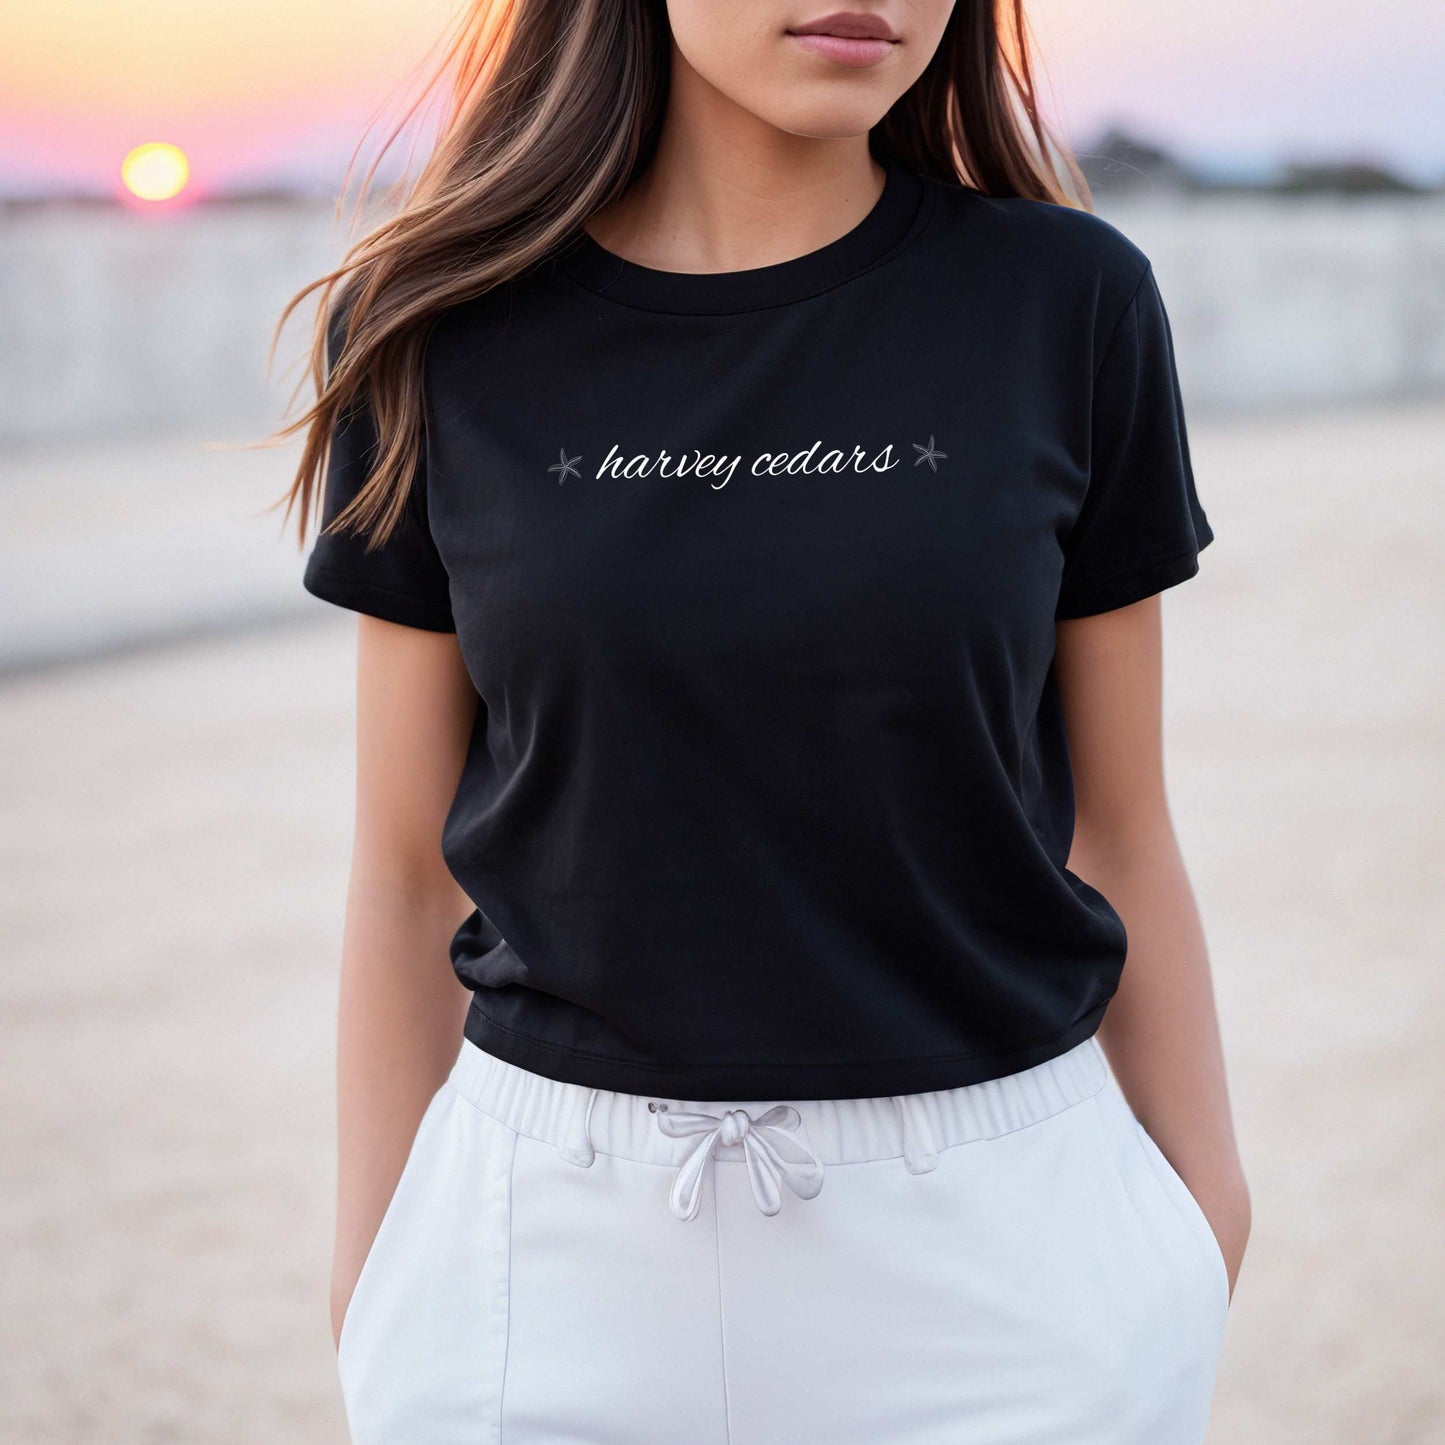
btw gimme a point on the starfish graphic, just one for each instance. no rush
(929, 454)
(566, 467)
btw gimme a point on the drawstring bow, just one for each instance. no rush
(771, 1148)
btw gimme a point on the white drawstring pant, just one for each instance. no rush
(1006, 1263)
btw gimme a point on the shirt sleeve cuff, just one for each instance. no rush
(1136, 584)
(347, 591)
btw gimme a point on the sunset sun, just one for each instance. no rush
(155, 171)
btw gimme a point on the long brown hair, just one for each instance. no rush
(551, 108)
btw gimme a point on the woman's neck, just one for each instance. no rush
(727, 192)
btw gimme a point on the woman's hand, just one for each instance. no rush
(1226, 1205)
(343, 1286)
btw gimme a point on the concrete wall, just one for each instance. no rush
(122, 321)
(1286, 301)
(115, 320)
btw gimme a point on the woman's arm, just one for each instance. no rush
(401, 1008)
(1161, 1032)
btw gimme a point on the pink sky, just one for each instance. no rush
(255, 90)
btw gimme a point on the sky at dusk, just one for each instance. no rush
(257, 91)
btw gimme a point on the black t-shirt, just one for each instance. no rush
(757, 575)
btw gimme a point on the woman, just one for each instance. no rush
(757, 487)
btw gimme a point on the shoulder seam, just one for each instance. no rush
(1118, 325)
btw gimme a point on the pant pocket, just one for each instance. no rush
(423, 1341)
(370, 1264)
(1172, 1182)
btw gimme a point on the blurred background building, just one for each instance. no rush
(175, 710)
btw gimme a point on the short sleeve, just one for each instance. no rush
(1140, 527)
(404, 579)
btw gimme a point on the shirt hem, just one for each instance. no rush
(848, 1080)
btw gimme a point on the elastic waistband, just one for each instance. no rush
(582, 1121)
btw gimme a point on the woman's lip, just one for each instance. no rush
(851, 26)
(849, 50)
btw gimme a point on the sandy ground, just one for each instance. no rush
(123, 542)
(175, 841)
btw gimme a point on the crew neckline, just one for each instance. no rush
(894, 219)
